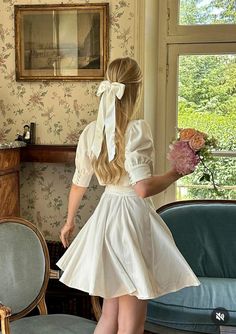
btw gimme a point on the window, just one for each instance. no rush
(201, 20)
(201, 87)
(203, 12)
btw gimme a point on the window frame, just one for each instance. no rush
(174, 51)
(197, 33)
(172, 34)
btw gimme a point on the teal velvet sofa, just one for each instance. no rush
(205, 233)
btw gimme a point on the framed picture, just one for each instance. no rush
(61, 42)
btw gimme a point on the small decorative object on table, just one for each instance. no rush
(28, 135)
(191, 148)
(32, 133)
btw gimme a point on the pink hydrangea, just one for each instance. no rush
(182, 158)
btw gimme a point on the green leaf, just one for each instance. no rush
(205, 177)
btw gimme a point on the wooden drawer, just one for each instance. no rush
(9, 159)
(9, 195)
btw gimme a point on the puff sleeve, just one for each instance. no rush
(139, 151)
(83, 167)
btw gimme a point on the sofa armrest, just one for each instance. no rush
(5, 313)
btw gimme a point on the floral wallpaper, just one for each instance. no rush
(60, 110)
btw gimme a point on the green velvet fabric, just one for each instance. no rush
(22, 271)
(191, 308)
(53, 324)
(204, 234)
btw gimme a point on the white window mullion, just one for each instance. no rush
(171, 107)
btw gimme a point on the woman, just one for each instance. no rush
(124, 253)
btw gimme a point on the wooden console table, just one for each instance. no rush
(9, 182)
(10, 159)
(48, 153)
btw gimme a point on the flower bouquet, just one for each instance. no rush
(191, 148)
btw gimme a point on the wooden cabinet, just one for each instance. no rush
(9, 182)
(49, 153)
(10, 159)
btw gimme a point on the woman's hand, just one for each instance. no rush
(66, 233)
(75, 197)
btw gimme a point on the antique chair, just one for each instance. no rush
(24, 274)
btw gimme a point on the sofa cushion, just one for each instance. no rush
(203, 232)
(54, 323)
(191, 308)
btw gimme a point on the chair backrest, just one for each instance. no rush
(24, 265)
(205, 233)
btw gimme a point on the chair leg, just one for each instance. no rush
(5, 313)
(97, 309)
(42, 307)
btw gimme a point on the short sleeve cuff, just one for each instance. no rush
(81, 180)
(139, 172)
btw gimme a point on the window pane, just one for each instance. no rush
(224, 169)
(207, 102)
(198, 12)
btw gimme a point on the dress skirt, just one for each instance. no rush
(125, 248)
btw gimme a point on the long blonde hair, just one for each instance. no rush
(126, 71)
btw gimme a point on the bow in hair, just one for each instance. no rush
(106, 119)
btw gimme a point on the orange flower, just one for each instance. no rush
(197, 141)
(187, 134)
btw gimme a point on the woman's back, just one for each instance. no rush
(139, 154)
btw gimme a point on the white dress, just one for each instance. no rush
(125, 247)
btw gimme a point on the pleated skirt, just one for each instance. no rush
(125, 248)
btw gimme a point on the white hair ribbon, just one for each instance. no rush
(107, 117)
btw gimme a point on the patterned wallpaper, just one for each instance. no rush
(60, 110)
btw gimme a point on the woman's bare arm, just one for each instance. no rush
(156, 183)
(75, 197)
